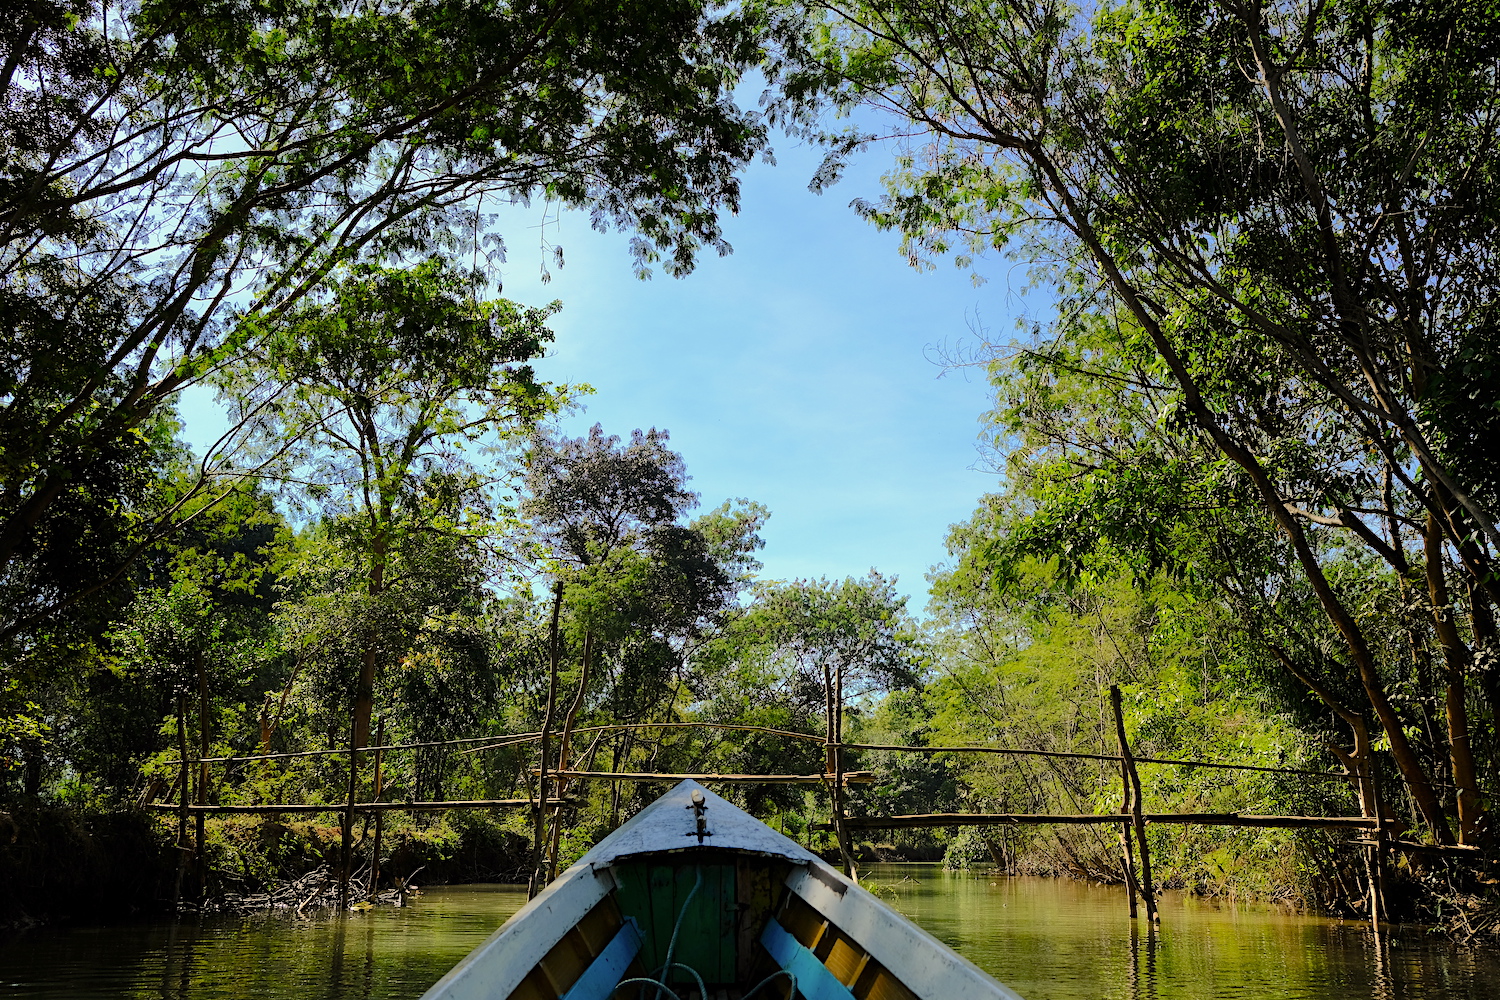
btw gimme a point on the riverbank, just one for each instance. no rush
(61, 865)
(1457, 898)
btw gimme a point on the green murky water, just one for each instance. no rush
(1049, 939)
(1052, 939)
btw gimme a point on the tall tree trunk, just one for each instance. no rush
(1456, 661)
(1482, 615)
(1361, 760)
(1417, 781)
(364, 692)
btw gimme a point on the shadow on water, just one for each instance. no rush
(1048, 939)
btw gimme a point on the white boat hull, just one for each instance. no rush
(735, 905)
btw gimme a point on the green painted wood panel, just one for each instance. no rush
(654, 894)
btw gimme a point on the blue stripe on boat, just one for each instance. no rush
(814, 981)
(605, 972)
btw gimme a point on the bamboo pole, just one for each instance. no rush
(331, 751)
(1361, 764)
(618, 753)
(1147, 884)
(1454, 850)
(539, 830)
(648, 777)
(379, 813)
(182, 807)
(1065, 755)
(271, 808)
(940, 820)
(1127, 854)
(727, 726)
(1148, 891)
(1378, 852)
(200, 857)
(346, 855)
(835, 766)
(565, 749)
(496, 742)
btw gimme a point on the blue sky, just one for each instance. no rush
(801, 371)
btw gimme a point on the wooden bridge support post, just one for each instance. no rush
(379, 814)
(1147, 885)
(1377, 855)
(834, 766)
(539, 831)
(346, 855)
(1148, 891)
(564, 750)
(1127, 853)
(1361, 767)
(200, 856)
(183, 780)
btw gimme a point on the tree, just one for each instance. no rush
(1030, 664)
(178, 176)
(192, 618)
(853, 635)
(435, 633)
(638, 575)
(590, 498)
(801, 652)
(199, 625)
(70, 574)
(1283, 206)
(641, 587)
(395, 375)
(644, 587)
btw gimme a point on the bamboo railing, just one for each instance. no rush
(1132, 820)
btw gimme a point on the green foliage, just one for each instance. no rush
(1029, 665)
(391, 376)
(811, 632)
(776, 663)
(60, 863)
(1265, 372)
(93, 707)
(967, 850)
(641, 582)
(179, 177)
(1248, 464)
(395, 377)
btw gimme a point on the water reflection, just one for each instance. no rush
(379, 954)
(1141, 985)
(1050, 940)
(1059, 940)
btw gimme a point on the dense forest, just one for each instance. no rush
(1246, 455)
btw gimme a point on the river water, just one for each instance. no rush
(1048, 939)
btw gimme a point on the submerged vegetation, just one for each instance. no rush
(1248, 468)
